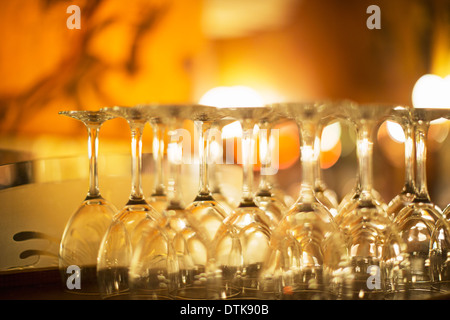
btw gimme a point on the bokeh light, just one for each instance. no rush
(331, 135)
(431, 91)
(395, 131)
(232, 97)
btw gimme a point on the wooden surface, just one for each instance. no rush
(40, 284)
(45, 284)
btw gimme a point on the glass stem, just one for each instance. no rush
(365, 155)
(158, 156)
(409, 186)
(318, 183)
(421, 158)
(357, 189)
(307, 131)
(137, 128)
(214, 160)
(247, 166)
(174, 154)
(203, 150)
(93, 131)
(265, 155)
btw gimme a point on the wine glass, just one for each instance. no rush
(84, 231)
(117, 246)
(346, 111)
(402, 115)
(204, 208)
(417, 221)
(350, 199)
(379, 261)
(308, 255)
(265, 198)
(158, 198)
(179, 265)
(242, 241)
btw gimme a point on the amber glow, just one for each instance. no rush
(122, 55)
(232, 97)
(431, 91)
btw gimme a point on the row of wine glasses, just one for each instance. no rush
(361, 248)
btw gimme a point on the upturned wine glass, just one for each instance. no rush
(417, 222)
(350, 200)
(117, 246)
(158, 198)
(183, 244)
(205, 209)
(308, 255)
(379, 260)
(242, 242)
(87, 225)
(402, 115)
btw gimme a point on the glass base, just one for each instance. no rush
(113, 283)
(81, 280)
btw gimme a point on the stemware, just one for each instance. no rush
(117, 246)
(360, 116)
(242, 241)
(308, 257)
(204, 208)
(325, 195)
(402, 115)
(375, 248)
(215, 172)
(265, 197)
(180, 236)
(417, 221)
(350, 200)
(158, 198)
(84, 231)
